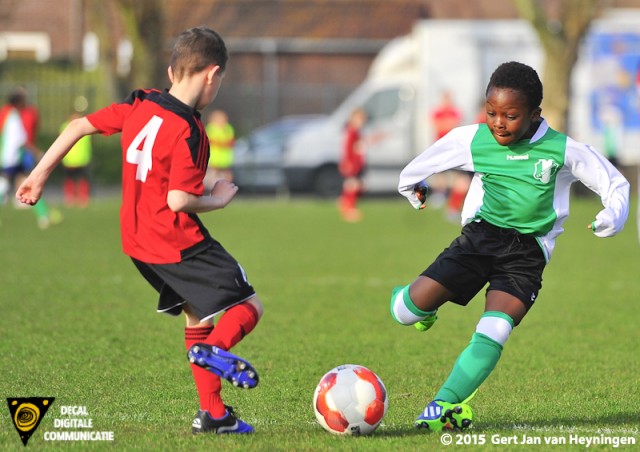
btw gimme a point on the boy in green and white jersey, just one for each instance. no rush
(512, 215)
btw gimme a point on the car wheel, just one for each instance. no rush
(327, 182)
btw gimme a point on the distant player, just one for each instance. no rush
(352, 166)
(76, 188)
(18, 151)
(221, 136)
(165, 152)
(512, 215)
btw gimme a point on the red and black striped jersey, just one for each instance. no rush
(164, 147)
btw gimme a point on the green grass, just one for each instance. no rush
(78, 323)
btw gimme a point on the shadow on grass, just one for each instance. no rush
(556, 425)
(564, 423)
(400, 432)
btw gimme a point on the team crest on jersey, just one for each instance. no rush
(544, 169)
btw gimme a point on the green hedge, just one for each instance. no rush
(57, 88)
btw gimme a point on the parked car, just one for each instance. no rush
(258, 156)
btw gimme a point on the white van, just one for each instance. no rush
(406, 82)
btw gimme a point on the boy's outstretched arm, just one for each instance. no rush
(450, 152)
(30, 191)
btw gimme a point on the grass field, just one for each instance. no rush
(78, 323)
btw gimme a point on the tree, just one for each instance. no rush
(560, 25)
(139, 22)
(144, 25)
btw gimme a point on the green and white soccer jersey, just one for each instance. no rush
(518, 181)
(525, 186)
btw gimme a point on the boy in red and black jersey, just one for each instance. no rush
(149, 121)
(165, 153)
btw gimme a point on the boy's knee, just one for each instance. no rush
(396, 312)
(193, 321)
(257, 305)
(495, 325)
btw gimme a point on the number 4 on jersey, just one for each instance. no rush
(142, 156)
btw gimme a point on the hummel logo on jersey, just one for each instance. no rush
(544, 169)
(518, 157)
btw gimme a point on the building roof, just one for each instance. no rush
(322, 19)
(64, 20)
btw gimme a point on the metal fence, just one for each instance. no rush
(55, 90)
(58, 88)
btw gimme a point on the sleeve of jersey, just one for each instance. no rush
(109, 120)
(452, 151)
(185, 175)
(599, 175)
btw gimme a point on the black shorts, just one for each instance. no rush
(509, 261)
(209, 282)
(76, 172)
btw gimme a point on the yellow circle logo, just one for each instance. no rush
(26, 416)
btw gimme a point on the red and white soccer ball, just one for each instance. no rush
(350, 400)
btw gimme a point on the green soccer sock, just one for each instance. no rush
(472, 367)
(41, 210)
(408, 312)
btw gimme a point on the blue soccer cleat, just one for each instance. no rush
(229, 423)
(232, 368)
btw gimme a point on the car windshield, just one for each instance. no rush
(268, 136)
(276, 133)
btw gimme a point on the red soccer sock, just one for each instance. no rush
(69, 191)
(83, 192)
(348, 200)
(456, 199)
(208, 384)
(233, 325)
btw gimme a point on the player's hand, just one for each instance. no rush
(224, 191)
(608, 222)
(29, 192)
(421, 189)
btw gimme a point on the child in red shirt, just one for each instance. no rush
(165, 155)
(352, 165)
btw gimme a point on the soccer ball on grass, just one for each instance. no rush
(350, 400)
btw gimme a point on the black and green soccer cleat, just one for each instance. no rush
(439, 415)
(425, 324)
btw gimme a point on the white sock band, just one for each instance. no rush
(496, 328)
(404, 311)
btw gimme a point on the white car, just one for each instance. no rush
(258, 157)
